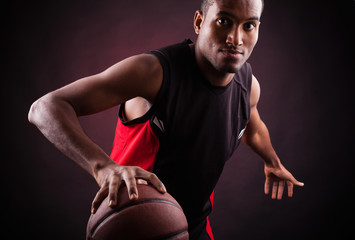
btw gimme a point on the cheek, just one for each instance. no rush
(255, 38)
(212, 35)
(219, 36)
(252, 40)
(207, 42)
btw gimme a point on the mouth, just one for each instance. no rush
(232, 53)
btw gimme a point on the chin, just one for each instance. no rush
(231, 68)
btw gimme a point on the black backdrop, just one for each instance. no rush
(303, 61)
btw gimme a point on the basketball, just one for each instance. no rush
(153, 216)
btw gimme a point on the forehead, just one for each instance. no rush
(239, 8)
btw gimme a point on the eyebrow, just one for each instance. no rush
(234, 17)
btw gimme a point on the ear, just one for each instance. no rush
(198, 20)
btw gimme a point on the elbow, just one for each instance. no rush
(33, 114)
(37, 109)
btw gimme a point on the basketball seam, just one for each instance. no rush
(131, 205)
(174, 235)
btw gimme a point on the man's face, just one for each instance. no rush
(228, 32)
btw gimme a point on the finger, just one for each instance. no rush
(141, 181)
(267, 186)
(131, 184)
(274, 189)
(297, 183)
(155, 181)
(99, 197)
(113, 187)
(281, 190)
(294, 181)
(290, 188)
(152, 179)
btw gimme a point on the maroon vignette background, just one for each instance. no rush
(303, 61)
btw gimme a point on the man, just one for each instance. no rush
(183, 111)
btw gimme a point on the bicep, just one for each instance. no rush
(255, 122)
(254, 92)
(139, 75)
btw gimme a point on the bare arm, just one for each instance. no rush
(257, 137)
(56, 116)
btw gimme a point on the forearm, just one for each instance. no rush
(259, 141)
(58, 122)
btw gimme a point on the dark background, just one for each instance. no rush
(303, 61)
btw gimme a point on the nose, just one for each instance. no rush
(235, 37)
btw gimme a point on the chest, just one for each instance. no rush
(198, 115)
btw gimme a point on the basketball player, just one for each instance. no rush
(183, 111)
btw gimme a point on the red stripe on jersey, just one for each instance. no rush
(135, 145)
(208, 226)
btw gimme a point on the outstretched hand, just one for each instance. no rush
(278, 176)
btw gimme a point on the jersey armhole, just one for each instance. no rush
(149, 114)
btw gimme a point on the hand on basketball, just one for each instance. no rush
(112, 176)
(278, 175)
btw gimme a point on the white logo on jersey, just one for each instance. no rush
(241, 133)
(159, 123)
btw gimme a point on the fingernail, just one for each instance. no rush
(162, 188)
(110, 203)
(93, 210)
(133, 196)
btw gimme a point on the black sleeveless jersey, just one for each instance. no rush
(189, 133)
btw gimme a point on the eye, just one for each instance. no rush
(249, 26)
(223, 22)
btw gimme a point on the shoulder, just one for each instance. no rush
(255, 92)
(144, 63)
(141, 74)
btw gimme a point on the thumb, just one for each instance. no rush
(292, 179)
(295, 182)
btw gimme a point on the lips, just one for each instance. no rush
(232, 53)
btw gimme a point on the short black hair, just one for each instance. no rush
(205, 4)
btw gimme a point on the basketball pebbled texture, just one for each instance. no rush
(154, 216)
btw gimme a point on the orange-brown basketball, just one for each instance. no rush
(154, 216)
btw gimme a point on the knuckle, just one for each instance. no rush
(153, 177)
(126, 171)
(130, 179)
(112, 195)
(135, 168)
(95, 202)
(114, 183)
(120, 171)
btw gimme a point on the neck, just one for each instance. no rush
(215, 77)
